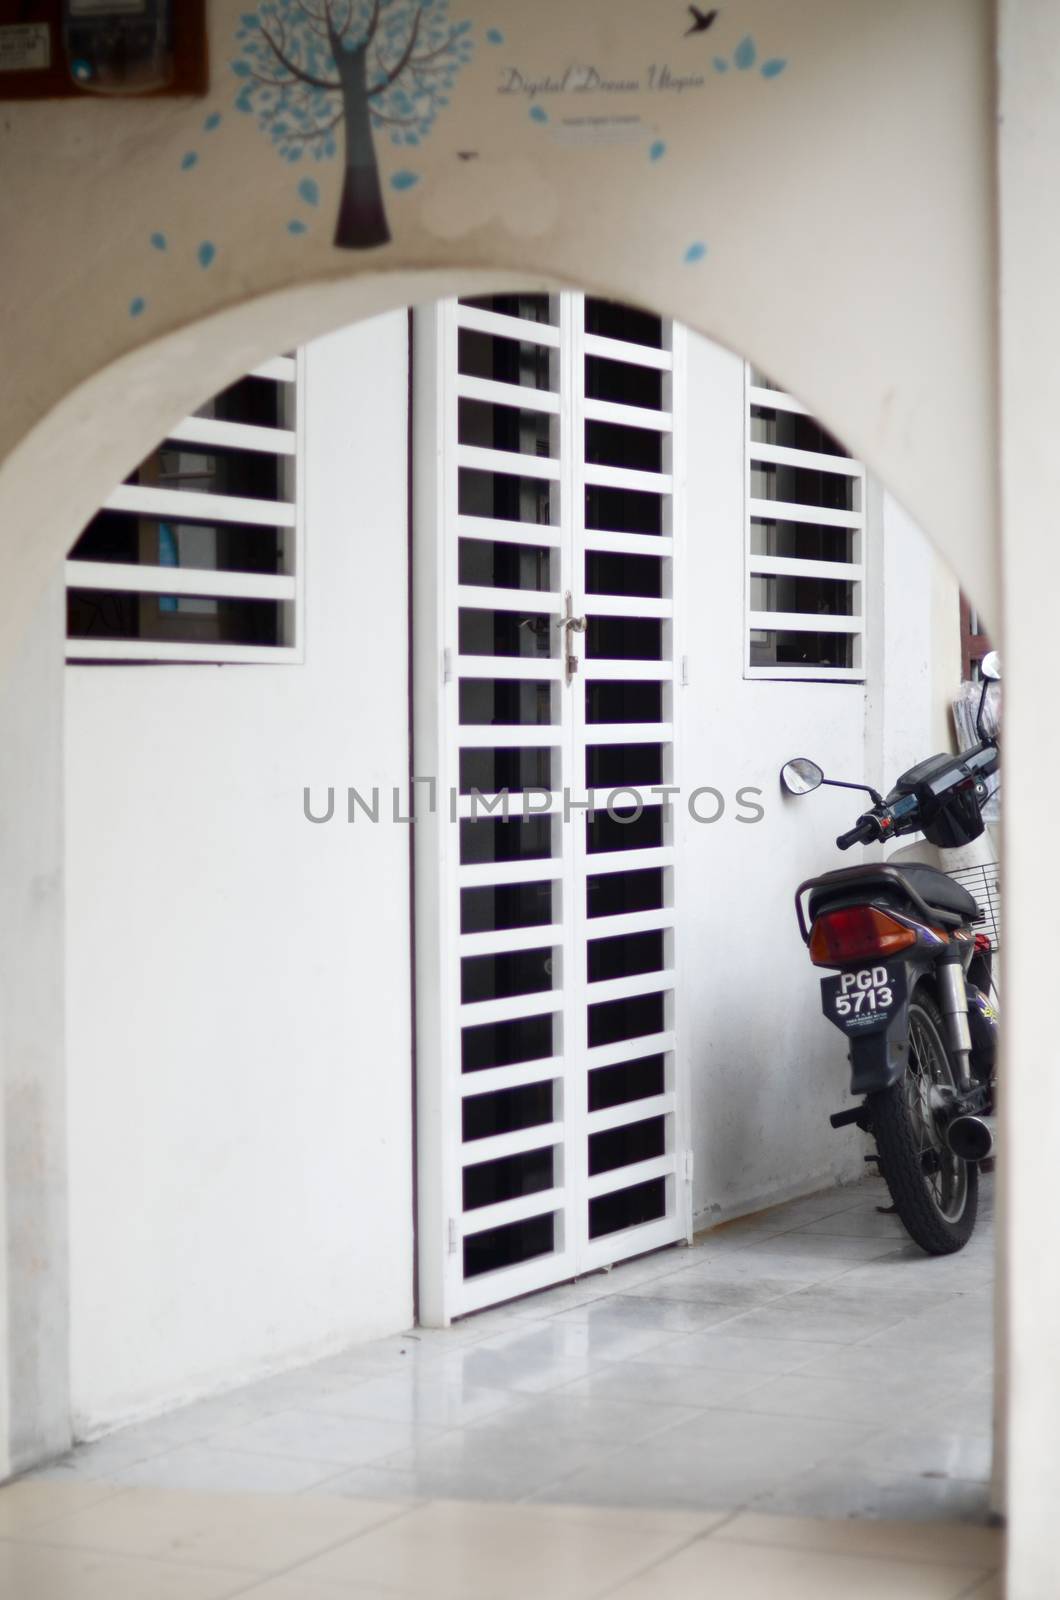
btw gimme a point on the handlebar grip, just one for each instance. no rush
(863, 832)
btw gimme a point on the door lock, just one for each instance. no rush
(571, 625)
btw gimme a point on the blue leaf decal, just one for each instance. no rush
(404, 180)
(720, 64)
(309, 191)
(188, 161)
(695, 252)
(212, 121)
(206, 253)
(657, 151)
(297, 226)
(137, 306)
(539, 113)
(158, 240)
(494, 35)
(744, 55)
(773, 69)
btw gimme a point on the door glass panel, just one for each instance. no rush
(613, 321)
(503, 1044)
(616, 894)
(527, 307)
(628, 1080)
(623, 702)
(622, 510)
(504, 702)
(490, 564)
(627, 1208)
(622, 829)
(613, 1020)
(487, 1182)
(624, 639)
(612, 444)
(499, 360)
(504, 494)
(508, 973)
(612, 766)
(608, 573)
(509, 1245)
(506, 905)
(623, 383)
(626, 955)
(490, 771)
(496, 427)
(496, 839)
(504, 633)
(507, 1110)
(621, 1147)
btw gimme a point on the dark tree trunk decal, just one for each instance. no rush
(361, 221)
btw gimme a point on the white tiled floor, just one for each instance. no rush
(653, 1430)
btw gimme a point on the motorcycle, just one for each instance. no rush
(912, 984)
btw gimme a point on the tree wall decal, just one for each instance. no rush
(315, 71)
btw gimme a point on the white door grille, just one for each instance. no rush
(552, 1117)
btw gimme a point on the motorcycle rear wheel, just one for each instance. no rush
(935, 1194)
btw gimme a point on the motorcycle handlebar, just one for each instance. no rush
(864, 831)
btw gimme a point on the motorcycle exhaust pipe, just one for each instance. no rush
(972, 1138)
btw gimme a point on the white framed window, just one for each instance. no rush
(805, 543)
(197, 556)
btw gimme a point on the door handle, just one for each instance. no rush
(571, 625)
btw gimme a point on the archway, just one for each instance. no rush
(956, 300)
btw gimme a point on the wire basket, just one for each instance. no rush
(983, 884)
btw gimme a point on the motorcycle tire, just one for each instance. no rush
(935, 1194)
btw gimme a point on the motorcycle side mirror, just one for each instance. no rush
(801, 776)
(990, 671)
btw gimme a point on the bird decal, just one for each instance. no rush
(701, 20)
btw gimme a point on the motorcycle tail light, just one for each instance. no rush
(856, 933)
(982, 944)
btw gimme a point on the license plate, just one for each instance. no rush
(865, 999)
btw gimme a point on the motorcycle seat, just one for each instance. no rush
(941, 891)
(938, 890)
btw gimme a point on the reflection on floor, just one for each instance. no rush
(657, 1430)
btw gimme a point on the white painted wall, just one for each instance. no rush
(239, 1037)
(916, 667)
(34, 1305)
(767, 1069)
